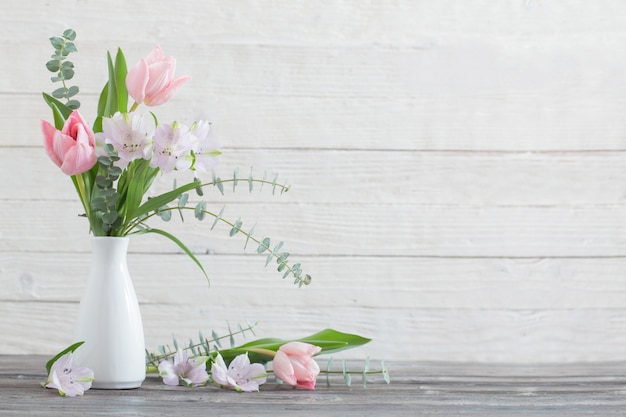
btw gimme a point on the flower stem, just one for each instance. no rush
(82, 192)
(134, 107)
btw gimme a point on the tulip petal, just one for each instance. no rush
(283, 368)
(167, 93)
(49, 134)
(137, 80)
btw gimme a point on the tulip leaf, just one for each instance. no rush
(60, 111)
(329, 340)
(180, 245)
(161, 200)
(120, 81)
(111, 103)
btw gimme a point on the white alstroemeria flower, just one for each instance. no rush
(185, 370)
(69, 382)
(172, 145)
(240, 375)
(129, 134)
(206, 148)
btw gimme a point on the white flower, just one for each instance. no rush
(184, 371)
(240, 375)
(205, 148)
(68, 381)
(172, 147)
(129, 135)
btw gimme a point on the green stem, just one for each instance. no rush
(82, 192)
(134, 107)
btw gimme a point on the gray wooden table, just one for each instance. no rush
(417, 389)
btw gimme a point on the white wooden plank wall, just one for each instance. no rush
(458, 173)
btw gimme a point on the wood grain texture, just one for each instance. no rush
(457, 169)
(417, 389)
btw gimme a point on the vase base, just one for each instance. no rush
(116, 385)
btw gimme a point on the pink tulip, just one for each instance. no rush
(73, 148)
(294, 364)
(151, 80)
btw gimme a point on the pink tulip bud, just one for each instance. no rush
(73, 148)
(151, 80)
(294, 364)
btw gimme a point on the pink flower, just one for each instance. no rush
(241, 375)
(129, 134)
(294, 364)
(73, 148)
(69, 382)
(151, 80)
(172, 145)
(185, 370)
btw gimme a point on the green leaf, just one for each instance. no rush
(69, 349)
(217, 218)
(332, 341)
(180, 245)
(54, 65)
(264, 245)
(70, 47)
(56, 105)
(57, 42)
(111, 103)
(72, 91)
(120, 81)
(329, 340)
(59, 93)
(161, 200)
(102, 100)
(236, 228)
(248, 236)
(199, 210)
(69, 34)
(73, 104)
(346, 376)
(67, 73)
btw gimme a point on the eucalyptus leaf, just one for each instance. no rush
(54, 65)
(69, 34)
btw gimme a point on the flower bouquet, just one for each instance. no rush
(113, 164)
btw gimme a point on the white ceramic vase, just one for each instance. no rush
(109, 320)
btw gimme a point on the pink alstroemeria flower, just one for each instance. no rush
(185, 370)
(69, 382)
(73, 148)
(294, 364)
(129, 134)
(240, 375)
(151, 80)
(172, 147)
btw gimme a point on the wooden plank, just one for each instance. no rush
(351, 176)
(364, 230)
(436, 334)
(377, 22)
(513, 123)
(417, 389)
(382, 282)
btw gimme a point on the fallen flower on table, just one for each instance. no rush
(185, 370)
(62, 377)
(240, 375)
(294, 364)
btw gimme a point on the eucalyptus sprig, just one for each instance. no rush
(63, 46)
